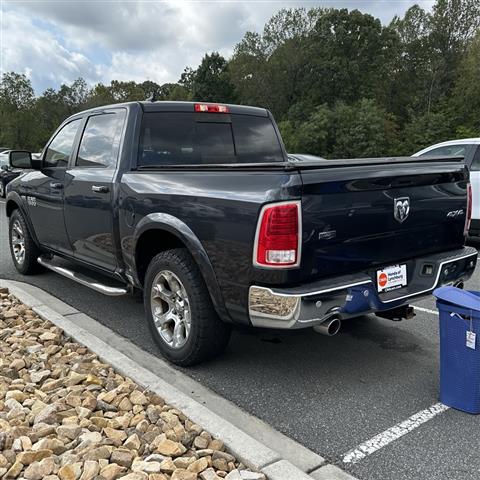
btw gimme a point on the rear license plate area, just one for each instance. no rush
(392, 278)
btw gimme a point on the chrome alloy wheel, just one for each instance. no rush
(170, 309)
(18, 242)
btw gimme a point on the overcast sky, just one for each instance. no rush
(57, 41)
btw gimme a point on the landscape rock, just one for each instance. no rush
(66, 415)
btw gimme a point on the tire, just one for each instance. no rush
(23, 249)
(175, 295)
(2, 189)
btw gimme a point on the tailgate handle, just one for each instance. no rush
(56, 185)
(100, 189)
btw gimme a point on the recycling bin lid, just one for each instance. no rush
(457, 296)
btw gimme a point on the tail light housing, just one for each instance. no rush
(278, 235)
(468, 217)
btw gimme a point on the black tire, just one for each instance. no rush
(208, 335)
(2, 189)
(29, 265)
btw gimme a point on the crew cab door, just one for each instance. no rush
(44, 189)
(89, 190)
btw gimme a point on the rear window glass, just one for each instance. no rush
(201, 138)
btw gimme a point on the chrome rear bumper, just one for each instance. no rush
(354, 295)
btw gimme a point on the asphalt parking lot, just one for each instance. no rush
(330, 394)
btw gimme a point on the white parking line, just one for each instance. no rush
(388, 436)
(426, 310)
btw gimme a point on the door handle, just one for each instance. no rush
(56, 186)
(100, 189)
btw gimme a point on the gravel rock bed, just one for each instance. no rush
(65, 415)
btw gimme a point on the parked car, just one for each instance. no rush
(470, 149)
(199, 206)
(7, 174)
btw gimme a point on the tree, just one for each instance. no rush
(211, 81)
(312, 135)
(424, 130)
(16, 111)
(363, 130)
(465, 101)
(350, 56)
(338, 82)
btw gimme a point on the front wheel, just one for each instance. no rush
(23, 249)
(179, 310)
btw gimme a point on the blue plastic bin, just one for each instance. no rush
(459, 364)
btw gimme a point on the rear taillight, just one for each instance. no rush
(211, 108)
(468, 218)
(277, 240)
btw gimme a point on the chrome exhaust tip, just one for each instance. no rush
(459, 285)
(329, 327)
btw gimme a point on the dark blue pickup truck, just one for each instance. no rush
(200, 207)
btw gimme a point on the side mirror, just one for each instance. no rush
(20, 159)
(23, 159)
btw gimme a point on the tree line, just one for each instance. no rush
(339, 83)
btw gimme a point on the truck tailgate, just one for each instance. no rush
(362, 216)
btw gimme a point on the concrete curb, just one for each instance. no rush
(119, 352)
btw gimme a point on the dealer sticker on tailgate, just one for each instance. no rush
(391, 278)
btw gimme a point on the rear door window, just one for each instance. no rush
(202, 138)
(101, 140)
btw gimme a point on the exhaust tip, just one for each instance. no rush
(329, 327)
(460, 285)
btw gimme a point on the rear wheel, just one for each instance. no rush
(23, 249)
(179, 310)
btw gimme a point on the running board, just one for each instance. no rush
(83, 279)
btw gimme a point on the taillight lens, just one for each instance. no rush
(211, 108)
(468, 218)
(278, 235)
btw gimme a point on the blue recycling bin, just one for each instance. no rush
(459, 348)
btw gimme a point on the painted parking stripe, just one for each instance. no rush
(426, 310)
(388, 436)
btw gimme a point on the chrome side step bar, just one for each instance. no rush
(83, 279)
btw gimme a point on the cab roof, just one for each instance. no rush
(167, 106)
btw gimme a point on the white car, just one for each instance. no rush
(470, 149)
(4, 158)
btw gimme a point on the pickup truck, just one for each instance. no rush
(199, 207)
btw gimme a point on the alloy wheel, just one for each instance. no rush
(18, 242)
(170, 309)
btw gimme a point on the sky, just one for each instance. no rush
(57, 41)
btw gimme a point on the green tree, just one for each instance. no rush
(351, 56)
(465, 101)
(363, 130)
(211, 81)
(17, 102)
(424, 130)
(312, 135)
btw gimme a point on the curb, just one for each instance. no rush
(119, 352)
